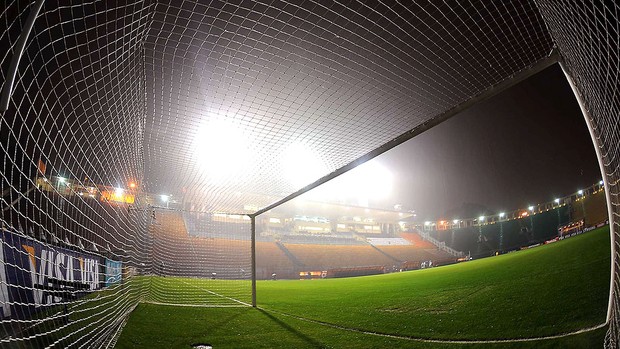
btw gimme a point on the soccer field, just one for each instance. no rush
(545, 291)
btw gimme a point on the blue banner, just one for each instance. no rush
(33, 275)
(113, 272)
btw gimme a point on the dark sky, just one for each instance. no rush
(527, 145)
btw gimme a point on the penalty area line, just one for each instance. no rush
(438, 341)
(217, 294)
(197, 305)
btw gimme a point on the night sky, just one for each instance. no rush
(527, 145)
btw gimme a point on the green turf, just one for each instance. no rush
(548, 290)
(179, 290)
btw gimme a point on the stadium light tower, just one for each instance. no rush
(583, 205)
(557, 209)
(427, 225)
(165, 198)
(61, 181)
(501, 232)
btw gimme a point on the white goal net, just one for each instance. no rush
(140, 139)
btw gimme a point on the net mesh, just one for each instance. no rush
(587, 35)
(138, 134)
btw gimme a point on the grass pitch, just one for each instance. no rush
(545, 291)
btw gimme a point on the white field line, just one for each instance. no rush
(197, 305)
(438, 341)
(204, 305)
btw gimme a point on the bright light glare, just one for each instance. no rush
(580, 192)
(164, 198)
(220, 147)
(302, 165)
(118, 191)
(427, 223)
(369, 181)
(481, 218)
(501, 215)
(61, 179)
(531, 208)
(557, 201)
(600, 183)
(455, 221)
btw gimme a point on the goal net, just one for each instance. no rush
(140, 140)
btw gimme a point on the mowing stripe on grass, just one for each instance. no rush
(437, 341)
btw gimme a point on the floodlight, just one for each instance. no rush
(580, 192)
(600, 183)
(557, 201)
(61, 179)
(301, 164)
(427, 223)
(119, 191)
(220, 140)
(455, 221)
(531, 208)
(481, 218)
(165, 198)
(501, 215)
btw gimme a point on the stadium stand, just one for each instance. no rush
(177, 253)
(270, 259)
(387, 241)
(408, 254)
(505, 235)
(320, 239)
(591, 208)
(216, 225)
(334, 256)
(415, 239)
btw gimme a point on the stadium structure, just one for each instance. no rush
(165, 139)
